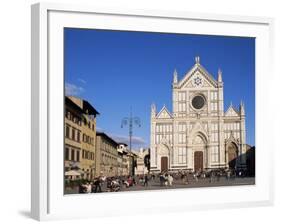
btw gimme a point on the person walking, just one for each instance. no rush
(145, 181)
(161, 179)
(170, 180)
(211, 176)
(97, 184)
(186, 178)
(166, 179)
(182, 177)
(195, 175)
(228, 175)
(134, 181)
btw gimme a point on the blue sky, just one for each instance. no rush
(116, 70)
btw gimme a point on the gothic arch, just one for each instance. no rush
(163, 149)
(231, 139)
(232, 153)
(199, 136)
(198, 130)
(163, 156)
(199, 151)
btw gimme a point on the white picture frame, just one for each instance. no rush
(48, 201)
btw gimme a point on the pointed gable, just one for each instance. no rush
(197, 71)
(231, 112)
(164, 113)
(232, 139)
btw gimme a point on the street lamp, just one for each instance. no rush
(131, 122)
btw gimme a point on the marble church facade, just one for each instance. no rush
(198, 134)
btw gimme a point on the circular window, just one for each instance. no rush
(198, 102)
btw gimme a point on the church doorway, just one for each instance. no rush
(199, 152)
(198, 161)
(232, 155)
(164, 164)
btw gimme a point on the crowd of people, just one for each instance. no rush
(116, 183)
(186, 177)
(112, 184)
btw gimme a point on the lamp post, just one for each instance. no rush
(131, 122)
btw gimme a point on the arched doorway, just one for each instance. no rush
(199, 152)
(163, 156)
(232, 152)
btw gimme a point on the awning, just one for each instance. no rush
(72, 173)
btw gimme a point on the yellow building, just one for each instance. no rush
(80, 134)
(73, 118)
(123, 160)
(106, 156)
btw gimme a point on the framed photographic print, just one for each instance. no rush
(166, 109)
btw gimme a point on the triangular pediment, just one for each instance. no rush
(197, 76)
(164, 113)
(197, 80)
(231, 112)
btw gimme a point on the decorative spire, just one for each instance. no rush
(197, 60)
(175, 80)
(231, 134)
(242, 108)
(153, 110)
(219, 75)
